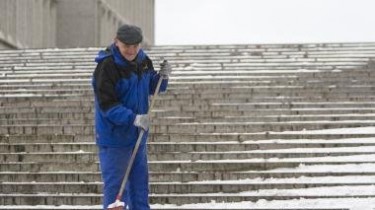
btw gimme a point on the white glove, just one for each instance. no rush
(165, 69)
(142, 121)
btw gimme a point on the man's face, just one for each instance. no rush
(128, 51)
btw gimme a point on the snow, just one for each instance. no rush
(359, 130)
(350, 203)
(366, 167)
(335, 159)
(299, 180)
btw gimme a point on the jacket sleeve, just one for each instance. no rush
(111, 108)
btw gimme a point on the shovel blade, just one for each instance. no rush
(117, 205)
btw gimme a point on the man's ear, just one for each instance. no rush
(116, 41)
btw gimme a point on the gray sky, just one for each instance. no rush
(263, 21)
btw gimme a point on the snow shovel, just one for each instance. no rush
(118, 204)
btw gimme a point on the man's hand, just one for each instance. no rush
(165, 69)
(142, 121)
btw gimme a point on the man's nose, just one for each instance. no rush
(132, 49)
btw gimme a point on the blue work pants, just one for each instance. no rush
(113, 164)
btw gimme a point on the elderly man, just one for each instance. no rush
(122, 82)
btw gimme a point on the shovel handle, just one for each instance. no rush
(139, 140)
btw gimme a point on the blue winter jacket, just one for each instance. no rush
(122, 90)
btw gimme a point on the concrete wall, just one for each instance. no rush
(27, 23)
(94, 23)
(138, 12)
(77, 26)
(70, 23)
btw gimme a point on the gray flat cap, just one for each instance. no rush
(129, 34)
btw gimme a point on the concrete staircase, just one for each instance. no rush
(241, 127)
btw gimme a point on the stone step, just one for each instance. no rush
(254, 50)
(88, 119)
(48, 147)
(63, 115)
(25, 98)
(249, 91)
(54, 85)
(187, 176)
(256, 81)
(46, 81)
(326, 95)
(274, 118)
(223, 57)
(190, 176)
(198, 115)
(284, 194)
(203, 81)
(198, 166)
(51, 95)
(230, 198)
(57, 176)
(278, 72)
(27, 104)
(79, 156)
(82, 156)
(196, 156)
(61, 70)
(87, 106)
(251, 145)
(95, 199)
(86, 90)
(241, 127)
(276, 94)
(188, 146)
(192, 82)
(254, 164)
(230, 186)
(24, 103)
(258, 73)
(85, 129)
(188, 112)
(212, 81)
(246, 70)
(45, 138)
(87, 101)
(205, 127)
(270, 90)
(178, 105)
(213, 52)
(253, 54)
(274, 71)
(241, 137)
(185, 137)
(251, 79)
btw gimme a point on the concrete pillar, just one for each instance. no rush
(138, 12)
(71, 23)
(36, 25)
(77, 23)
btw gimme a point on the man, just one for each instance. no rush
(123, 81)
